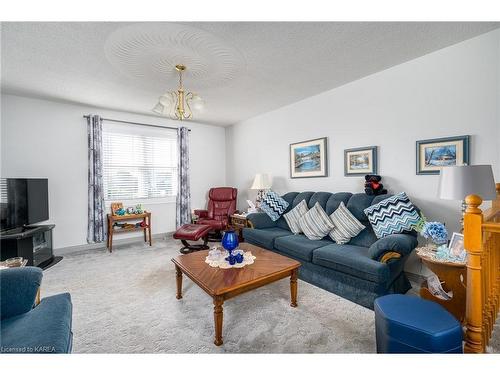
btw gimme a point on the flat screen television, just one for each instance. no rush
(23, 201)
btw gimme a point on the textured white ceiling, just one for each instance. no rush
(240, 69)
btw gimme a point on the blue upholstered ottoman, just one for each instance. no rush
(409, 324)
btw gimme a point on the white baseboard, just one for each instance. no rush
(102, 245)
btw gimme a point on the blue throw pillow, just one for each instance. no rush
(273, 205)
(392, 215)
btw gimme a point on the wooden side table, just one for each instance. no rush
(239, 222)
(454, 278)
(112, 219)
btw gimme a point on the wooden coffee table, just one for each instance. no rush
(222, 284)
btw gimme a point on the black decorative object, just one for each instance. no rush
(373, 186)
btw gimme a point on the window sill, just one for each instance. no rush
(145, 201)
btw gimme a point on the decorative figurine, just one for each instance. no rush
(120, 212)
(138, 209)
(373, 186)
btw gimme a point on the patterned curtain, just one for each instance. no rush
(183, 189)
(95, 229)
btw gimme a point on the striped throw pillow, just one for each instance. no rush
(346, 225)
(273, 205)
(315, 223)
(292, 217)
(393, 215)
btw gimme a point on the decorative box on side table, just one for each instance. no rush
(238, 222)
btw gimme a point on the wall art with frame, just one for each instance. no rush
(433, 154)
(309, 158)
(360, 161)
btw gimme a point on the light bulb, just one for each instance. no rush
(197, 103)
(158, 108)
(166, 100)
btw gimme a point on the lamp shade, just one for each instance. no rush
(460, 181)
(261, 181)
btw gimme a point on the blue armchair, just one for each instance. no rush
(25, 328)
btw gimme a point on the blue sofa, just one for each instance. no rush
(45, 328)
(361, 270)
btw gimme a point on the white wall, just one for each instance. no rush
(42, 138)
(454, 91)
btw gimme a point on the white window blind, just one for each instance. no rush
(139, 162)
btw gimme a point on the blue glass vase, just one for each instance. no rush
(230, 240)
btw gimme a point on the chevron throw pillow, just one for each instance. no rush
(392, 215)
(273, 205)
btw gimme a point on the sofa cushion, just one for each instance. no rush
(357, 204)
(315, 223)
(273, 205)
(304, 196)
(346, 225)
(292, 217)
(393, 215)
(353, 260)
(320, 197)
(365, 238)
(46, 328)
(299, 246)
(264, 237)
(334, 201)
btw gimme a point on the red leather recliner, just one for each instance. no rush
(221, 204)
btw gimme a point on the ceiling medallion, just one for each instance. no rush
(147, 53)
(178, 104)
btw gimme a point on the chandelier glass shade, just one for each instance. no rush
(179, 104)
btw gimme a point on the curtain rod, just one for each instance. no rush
(136, 123)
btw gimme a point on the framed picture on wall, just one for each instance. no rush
(433, 154)
(360, 161)
(309, 158)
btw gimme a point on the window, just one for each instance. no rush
(139, 162)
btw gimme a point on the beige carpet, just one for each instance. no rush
(125, 302)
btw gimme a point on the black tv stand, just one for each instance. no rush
(32, 242)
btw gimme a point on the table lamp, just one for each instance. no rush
(457, 182)
(261, 182)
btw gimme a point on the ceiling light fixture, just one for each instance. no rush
(178, 104)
